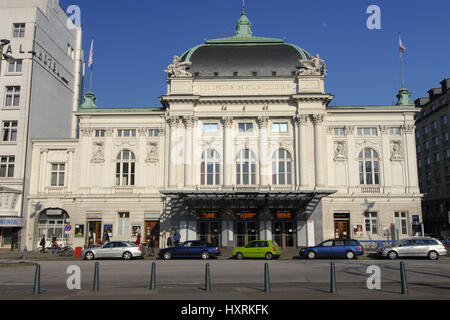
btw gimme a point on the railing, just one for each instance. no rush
(370, 189)
(124, 189)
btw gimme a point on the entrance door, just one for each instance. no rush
(246, 231)
(95, 231)
(283, 233)
(210, 232)
(341, 229)
(152, 229)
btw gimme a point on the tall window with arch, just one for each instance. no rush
(246, 168)
(210, 168)
(125, 168)
(369, 168)
(281, 167)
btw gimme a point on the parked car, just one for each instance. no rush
(414, 247)
(190, 249)
(258, 249)
(115, 249)
(334, 248)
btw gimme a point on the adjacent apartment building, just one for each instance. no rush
(433, 156)
(40, 87)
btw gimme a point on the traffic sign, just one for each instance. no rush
(68, 227)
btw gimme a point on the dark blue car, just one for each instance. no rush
(190, 249)
(334, 248)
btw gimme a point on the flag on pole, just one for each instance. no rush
(402, 47)
(91, 54)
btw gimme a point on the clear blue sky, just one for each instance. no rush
(135, 40)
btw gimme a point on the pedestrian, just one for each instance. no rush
(91, 241)
(169, 241)
(138, 240)
(54, 244)
(42, 244)
(152, 245)
(176, 237)
(13, 241)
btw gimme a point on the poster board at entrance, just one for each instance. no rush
(284, 214)
(209, 214)
(246, 214)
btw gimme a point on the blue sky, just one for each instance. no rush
(135, 40)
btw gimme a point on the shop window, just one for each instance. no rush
(123, 226)
(401, 222)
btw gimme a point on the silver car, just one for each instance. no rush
(114, 249)
(414, 247)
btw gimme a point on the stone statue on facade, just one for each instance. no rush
(395, 150)
(152, 152)
(339, 150)
(313, 66)
(178, 69)
(98, 154)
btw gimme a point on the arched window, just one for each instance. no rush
(246, 168)
(52, 222)
(369, 169)
(125, 168)
(281, 167)
(210, 168)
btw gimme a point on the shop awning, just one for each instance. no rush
(247, 199)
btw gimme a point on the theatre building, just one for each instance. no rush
(244, 146)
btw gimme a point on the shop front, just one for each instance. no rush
(52, 222)
(284, 228)
(341, 225)
(11, 223)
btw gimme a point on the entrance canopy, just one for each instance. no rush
(203, 199)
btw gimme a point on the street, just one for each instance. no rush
(230, 279)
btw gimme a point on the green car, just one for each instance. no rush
(258, 249)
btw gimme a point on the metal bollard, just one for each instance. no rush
(266, 278)
(96, 277)
(153, 277)
(403, 278)
(37, 280)
(207, 278)
(333, 278)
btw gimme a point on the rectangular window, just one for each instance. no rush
(210, 128)
(367, 131)
(444, 120)
(7, 166)
(371, 222)
(339, 131)
(12, 96)
(437, 157)
(153, 132)
(401, 222)
(245, 127)
(447, 153)
(434, 124)
(58, 174)
(9, 131)
(436, 141)
(19, 30)
(395, 131)
(16, 66)
(425, 130)
(100, 133)
(124, 224)
(280, 127)
(126, 132)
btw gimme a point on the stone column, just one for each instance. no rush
(264, 165)
(43, 168)
(302, 121)
(69, 169)
(227, 157)
(188, 152)
(318, 149)
(172, 161)
(411, 158)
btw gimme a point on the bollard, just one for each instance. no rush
(207, 278)
(266, 278)
(153, 277)
(96, 277)
(37, 280)
(403, 278)
(333, 278)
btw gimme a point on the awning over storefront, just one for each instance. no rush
(203, 199)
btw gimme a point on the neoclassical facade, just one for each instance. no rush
(245, 146)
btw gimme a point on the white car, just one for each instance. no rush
(114, 249)
(414, 247)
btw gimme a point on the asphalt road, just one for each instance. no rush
(230, 279)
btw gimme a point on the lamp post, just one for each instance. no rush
(4, 42)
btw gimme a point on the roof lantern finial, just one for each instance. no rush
(244, 26)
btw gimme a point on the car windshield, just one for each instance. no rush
(397, 243)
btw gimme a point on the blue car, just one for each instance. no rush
(334, 248)
(190, 249)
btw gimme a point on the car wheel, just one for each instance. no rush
(239, 256)
(269, 256)
(127, 255)
(433, 255)
(89, 256)
(311, 255)
(392, 255)
(167, 255)
(350, 255)
(205, 255)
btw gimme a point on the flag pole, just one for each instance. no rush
(90, 62)
(90, 88)
(401, 60)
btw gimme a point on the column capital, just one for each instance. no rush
(317, 119)
(86, 132)
(384, 129)
(409, 128)
(349, 130)
(189, 121)
(263, 121)
(301, 119)
(227, 121)
(173, 121)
